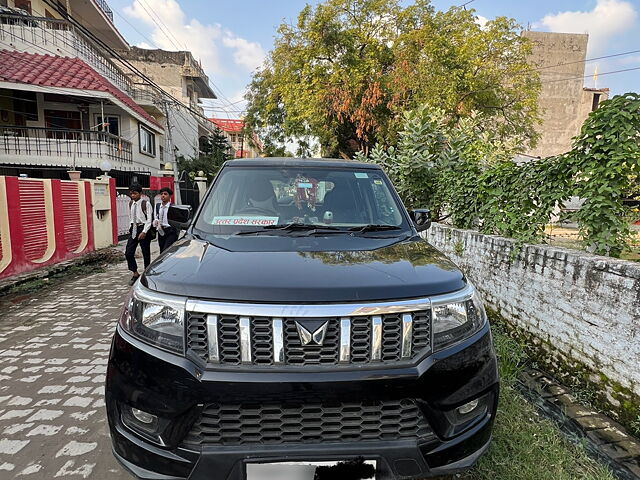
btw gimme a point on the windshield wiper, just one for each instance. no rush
(374, 228)
(309, 229)
(299, 226)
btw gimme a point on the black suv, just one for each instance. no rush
(301, 319)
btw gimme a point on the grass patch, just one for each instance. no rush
(525, 445)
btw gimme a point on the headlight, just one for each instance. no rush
(457, 319)
(154, 318)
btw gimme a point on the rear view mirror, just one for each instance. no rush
(179, 216)
(422, 218)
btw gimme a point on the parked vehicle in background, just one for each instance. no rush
(301, 319)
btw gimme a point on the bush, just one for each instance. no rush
(467, 175)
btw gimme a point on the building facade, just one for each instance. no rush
(241, 145)
(64, 103)
(564, 102)
(179, 74)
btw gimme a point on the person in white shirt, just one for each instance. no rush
(166, 233)
(140, 217)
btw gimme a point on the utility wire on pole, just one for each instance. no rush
(123, 60)
(172, 154)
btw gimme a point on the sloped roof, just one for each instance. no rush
(228, 125)
(61, 72)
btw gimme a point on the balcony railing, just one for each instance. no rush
(65, 143)
(146, 94)
(105, 8)
(59, 37)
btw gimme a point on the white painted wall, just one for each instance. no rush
(184, 131)
(583, 308)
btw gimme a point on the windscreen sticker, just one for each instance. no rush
(378, 182)
(241, 220)
(361, 174)
(305, 185)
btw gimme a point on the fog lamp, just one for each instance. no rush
(143, 417)
(468, 407)
(144, 423)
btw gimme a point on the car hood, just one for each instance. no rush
(380, 270)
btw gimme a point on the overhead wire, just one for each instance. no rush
(589, 76)
(117, 55)
(586, 60)
(184, 46)
(162, 30)
(222, 97)
(153, 44)
(166, 31)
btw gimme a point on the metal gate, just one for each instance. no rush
(122, 207)
(189, 193)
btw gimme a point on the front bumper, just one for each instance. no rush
(174, 389)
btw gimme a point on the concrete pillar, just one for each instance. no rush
(102, 214)
(202, 186)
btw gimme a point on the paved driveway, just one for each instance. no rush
(53, 357)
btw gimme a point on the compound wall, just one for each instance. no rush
(43, 222)
(582, 310)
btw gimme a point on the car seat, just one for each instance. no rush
(342, 203)
(260, 197)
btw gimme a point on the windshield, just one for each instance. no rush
(263, 198)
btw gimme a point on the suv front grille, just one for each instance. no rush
(269, 341)
(309, 423)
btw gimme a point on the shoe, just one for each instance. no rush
(133, 279)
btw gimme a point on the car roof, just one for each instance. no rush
(298, 162)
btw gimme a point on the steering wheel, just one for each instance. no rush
(252, 209)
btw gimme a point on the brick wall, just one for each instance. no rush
(582, 310)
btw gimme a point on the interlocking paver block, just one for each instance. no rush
(52, 415)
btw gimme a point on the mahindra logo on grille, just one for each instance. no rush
(312, 332)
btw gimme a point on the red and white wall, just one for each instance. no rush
(43, 222)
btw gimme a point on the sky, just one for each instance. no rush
(232, 38)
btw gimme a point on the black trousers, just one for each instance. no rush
(166, 240)
(132, 244)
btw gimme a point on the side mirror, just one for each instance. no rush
(422, 218)
(179, 216)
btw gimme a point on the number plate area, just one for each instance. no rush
(307, 470)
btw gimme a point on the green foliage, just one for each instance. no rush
(346, 71)
(606, 161)
(466, 173)
(214, 151)
(517, 200)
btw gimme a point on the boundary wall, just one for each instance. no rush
(580, 312)
(46, 221)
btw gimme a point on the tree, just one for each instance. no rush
(348, 69)
(215, 149)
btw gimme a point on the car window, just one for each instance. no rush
(265, 196)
